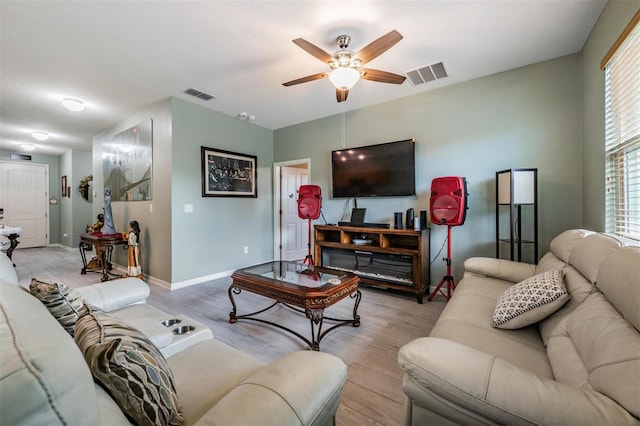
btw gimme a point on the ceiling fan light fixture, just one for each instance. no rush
(73, 104)
(344, 78)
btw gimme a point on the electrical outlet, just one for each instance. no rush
(150, 208)
(246, 249)
(188, 208)
(65, 235)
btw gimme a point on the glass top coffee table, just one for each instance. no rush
(303, 288)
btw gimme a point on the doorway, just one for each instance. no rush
(290, 237)
(24, 190)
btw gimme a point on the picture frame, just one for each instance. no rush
(64, 185)
(228, 174)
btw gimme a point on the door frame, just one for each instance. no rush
(278, 196)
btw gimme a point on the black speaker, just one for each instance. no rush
(409, 219)
(423, 219)
(397, 220)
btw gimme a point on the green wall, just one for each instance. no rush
(527, 117)
(153, 216)
(179, 248)
(211, 240)
(610, 25)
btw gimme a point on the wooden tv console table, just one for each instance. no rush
(389, 258)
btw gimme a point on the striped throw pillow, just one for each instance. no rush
(65, 304)
(133, 371)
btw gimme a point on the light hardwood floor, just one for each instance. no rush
(373, 393)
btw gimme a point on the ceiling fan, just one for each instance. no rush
(346, 66)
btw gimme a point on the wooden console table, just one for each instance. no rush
(106, 243)
(389, 258)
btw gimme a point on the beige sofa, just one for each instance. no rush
(44, 379)
(578, 366)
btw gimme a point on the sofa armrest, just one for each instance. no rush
(508, 270)
(480, 385)
(116, 294)
(300, 388)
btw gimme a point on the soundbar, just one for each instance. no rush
(365, 225)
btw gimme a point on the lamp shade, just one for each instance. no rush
(344, 78)
(519, 184)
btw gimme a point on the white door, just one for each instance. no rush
(294, 230)
(24, 201)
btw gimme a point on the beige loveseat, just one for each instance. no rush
(578, 366)
(44, 379)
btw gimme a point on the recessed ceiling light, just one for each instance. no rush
(41, 136)
(73, 104)
(28, 146)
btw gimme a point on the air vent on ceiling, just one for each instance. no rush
(198, 94)
(427, 73)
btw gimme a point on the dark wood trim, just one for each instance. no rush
(621, 38)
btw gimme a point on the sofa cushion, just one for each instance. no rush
(466, 319)
(619, 279)
(130, 368)
(530, 300)
(562, 245)
(7, 271)
(64, 304)
(579, 288)
(588, 254)
(194, 385)
(597, 348)
(43, 379)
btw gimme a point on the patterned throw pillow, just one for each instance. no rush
(530, 300)
(64, 304)
(130, 368)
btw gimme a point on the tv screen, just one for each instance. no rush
(383, 170)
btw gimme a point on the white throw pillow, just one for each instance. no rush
(530, 300)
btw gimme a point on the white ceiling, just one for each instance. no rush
(121, 56)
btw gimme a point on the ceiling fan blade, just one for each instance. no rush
(382, 76)
(305, 79)
(341, 94)
(313, 50)
(379, 46)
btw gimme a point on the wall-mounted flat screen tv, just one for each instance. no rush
(383, 170)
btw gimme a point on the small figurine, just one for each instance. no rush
(108, 228)
(96, 227)
(133, 269)
(96, 262)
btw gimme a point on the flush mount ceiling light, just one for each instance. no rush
(73, 104)
(28, 146)
(41, 136)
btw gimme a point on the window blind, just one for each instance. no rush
(622, 138)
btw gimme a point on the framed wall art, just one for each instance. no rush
(127, 163)
(228, 174)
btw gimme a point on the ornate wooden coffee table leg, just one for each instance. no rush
(232, 315)
(316, 318)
